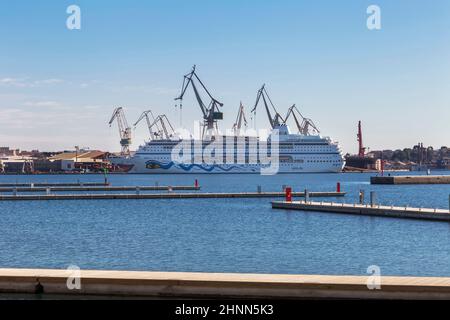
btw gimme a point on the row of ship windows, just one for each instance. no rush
(168, 149)
(258, 161)
(310, 161)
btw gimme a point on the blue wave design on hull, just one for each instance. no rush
(153, 164)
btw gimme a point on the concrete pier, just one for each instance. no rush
(29, 185)
(168, 195)
(410, 180)
(366, 210)
(95, 188)
(216, 285)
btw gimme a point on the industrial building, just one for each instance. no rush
(11, 161)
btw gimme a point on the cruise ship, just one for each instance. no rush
(305, 151)
(296, 154)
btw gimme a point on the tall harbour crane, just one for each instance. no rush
(166, 132)
(124, 130)
(306, 126)
(239, 120)
(211, 112)
(359, 137)
(145, 115)
(277, 119)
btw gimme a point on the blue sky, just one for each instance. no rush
(58, 87)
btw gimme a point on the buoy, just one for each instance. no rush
(196, 183)
(338, 187)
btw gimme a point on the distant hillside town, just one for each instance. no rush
(417, 158)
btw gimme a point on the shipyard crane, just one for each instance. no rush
(211, 112)
(277, 119)
(305, 126)
(359, 137)
(165, 124)
(124, 130)
(145, 115)
(240, 117)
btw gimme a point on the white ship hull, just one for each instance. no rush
(141, 166)
(297, 154)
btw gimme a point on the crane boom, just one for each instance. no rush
(303, 127)
(145, 115)
(165, 124)
(274, 121)
(239, 118)
(361, 148)
(211, 113)
(124, 129)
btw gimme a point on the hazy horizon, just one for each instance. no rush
(58, 87)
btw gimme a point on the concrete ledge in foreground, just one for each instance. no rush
(220, 285)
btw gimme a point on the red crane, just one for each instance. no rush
(361, 148)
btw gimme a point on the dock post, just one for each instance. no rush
(169, 189)
(361, 196)
(32, 185)
(156, 184)
(47, 190)
(15, 191)
(138, 190)
(258, 189)
(338, 187)
(196, 183)
(288, 191)
(372, 198)
(306, 195)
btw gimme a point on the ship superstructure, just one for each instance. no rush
(305, 151)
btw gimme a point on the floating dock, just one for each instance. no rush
(168, 195)
(411, 180)
(95, 188)
(92, 283)
(366, 210)
(30, 185)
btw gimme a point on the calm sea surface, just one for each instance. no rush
(225, 235)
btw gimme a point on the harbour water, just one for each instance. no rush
(226, 235)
